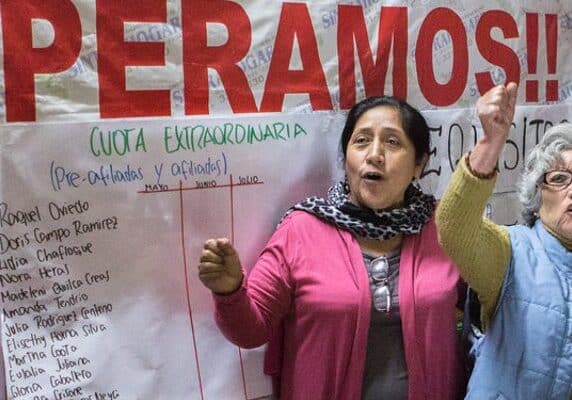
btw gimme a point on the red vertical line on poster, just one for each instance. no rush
(183, 242)
(551, 28)
(232, 241)
(531, 88)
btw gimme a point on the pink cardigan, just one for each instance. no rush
(309, 296)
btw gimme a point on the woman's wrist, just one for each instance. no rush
(230, 291)
(480, 175)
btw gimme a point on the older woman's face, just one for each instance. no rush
(380, 159)
(556, 205)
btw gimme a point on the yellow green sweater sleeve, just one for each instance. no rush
(479, 247)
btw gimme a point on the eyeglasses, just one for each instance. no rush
(379, 279)
(558, 179)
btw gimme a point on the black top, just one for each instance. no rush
(385, 374)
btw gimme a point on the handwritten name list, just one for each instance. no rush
(52, 310)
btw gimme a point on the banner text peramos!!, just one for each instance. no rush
(495, 35)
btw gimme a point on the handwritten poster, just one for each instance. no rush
(99, 291)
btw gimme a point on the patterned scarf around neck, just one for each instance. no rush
(382, 224)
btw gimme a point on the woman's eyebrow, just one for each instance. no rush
(364, 129)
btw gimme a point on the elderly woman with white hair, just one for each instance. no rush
(522, 273)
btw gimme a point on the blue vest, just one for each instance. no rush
(526, 353)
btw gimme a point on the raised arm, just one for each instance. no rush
(496, 111)
(479, 247)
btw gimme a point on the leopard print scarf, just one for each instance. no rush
(382, 224)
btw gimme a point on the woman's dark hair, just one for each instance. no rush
(413, 122)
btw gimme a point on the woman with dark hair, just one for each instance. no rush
(352, 293)
(522, 273)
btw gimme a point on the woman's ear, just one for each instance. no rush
(421, 165)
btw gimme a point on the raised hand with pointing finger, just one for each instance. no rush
(219, 266)
(496, 111)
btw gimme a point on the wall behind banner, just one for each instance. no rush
(134, 130)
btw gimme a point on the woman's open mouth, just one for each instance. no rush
(372, 176)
